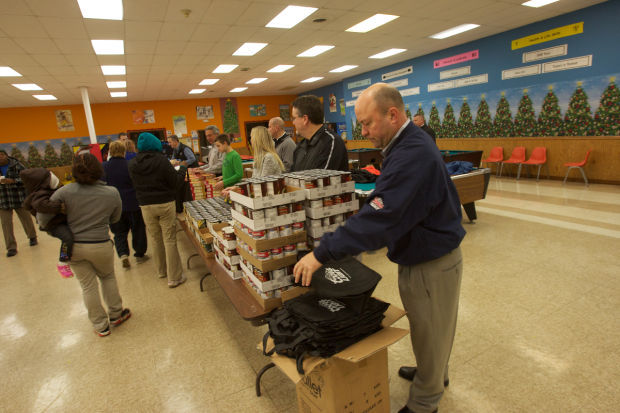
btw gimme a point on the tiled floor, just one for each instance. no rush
(538, 328)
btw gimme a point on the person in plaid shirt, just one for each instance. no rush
(12, 195)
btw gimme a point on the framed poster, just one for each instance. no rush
(285, 113)
(332, 103)
(180, 125)
(258, 110)
(204, 112)
(64, 121)
(143, 116)
(342, 107)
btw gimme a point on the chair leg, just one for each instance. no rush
(585, 178)
(519, 172)
(566, 176)
(501, 166)
(538, 174)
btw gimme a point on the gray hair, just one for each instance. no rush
(213, 128)
(277, 121)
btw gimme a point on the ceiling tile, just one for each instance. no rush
(83, 59)
(87, 70)
(197, 48)
(64, 70)
(145, 10)
(9, 46)
(140, 47)
(208, 32)
(75, 46)
(177, 31)
(15, 8)
(32, 71)
(21, 26)
(164, 60)
(105, 29)
(198, 9)
(142, 30)
(55, 8)
(51, 59)
(138, 60)
(63, 28)
(226, 12)
(189, 59)
(33, 45)
(169, 47)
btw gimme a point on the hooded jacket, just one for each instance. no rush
(37, 202)
(153, 177)
(324, 150)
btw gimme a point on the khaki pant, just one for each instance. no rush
(430, 294)
(161, 228)
(6, 216)
(90, 262)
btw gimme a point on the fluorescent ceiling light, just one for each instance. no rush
(113, 70)
(311, 79)
(454, 31)
(343, 68)
(249, 49)
(45, 97)
(315, 51)
(538, 3)
(118, 94)
(256, 80)
(98, 9)
(387, 53)
(116, 85)
(372, 23)
(27, 86)
(225, 68)
(196, 91)
(107, 47)
(7, 71)
(280, 68)
(208, 82)
(238, 89)
(290, 17)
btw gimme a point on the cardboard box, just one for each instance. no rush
(292, 195)
(265, 286)
(317, 213)
(267, 244)
(234, 260)
(235, 275)
(330, 190)
(269, 304)
(352, 381)
(265, 223)
(318, 232)
(268, 265)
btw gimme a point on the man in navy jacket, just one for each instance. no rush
(415, 212)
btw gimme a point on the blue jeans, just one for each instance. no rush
(130, 220)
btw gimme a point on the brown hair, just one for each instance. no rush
(310, 105)
(117, 149)
(130, 146)
(223, 138)
(87, 169)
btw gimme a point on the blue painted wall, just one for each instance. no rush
(600, 38)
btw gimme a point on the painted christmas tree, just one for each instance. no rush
(231, 120)
(51, 157)
(408, 112)
(434, 123)
(578, 120)
(550, 118)
(448, 127)
(17, 154)
(607, 117)
(502, 124)
(356, 127)
(34, 158)
(483, 127)
(66, 154)
(525, 121)
(466, 124)
(420, 112)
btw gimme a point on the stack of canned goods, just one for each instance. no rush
(316, 178)
(273, 253)
(269, 213)
(262, 187)
(208, 210)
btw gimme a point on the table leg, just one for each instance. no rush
(470, 210)
(190, 257)
(202, 279)
(259, 375)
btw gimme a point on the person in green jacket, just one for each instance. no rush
(232, 169)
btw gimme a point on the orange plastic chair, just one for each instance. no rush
(578, 165)
(538, 157)
(496, 156)
(517, 157)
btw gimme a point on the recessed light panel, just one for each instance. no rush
(196, 91)
(249, 49)
(208, 82)
(315, 51)
(256, 80)
(238, 89)
(7, 71)
(454, 31)
(372, 23)
(27, 86)
(225, 68)
(290, 17)
(118, 94)
(108, 47)
(280, 68)
(386, 53)
(311, 79)
(113, 70)
(538, 3)
(99, 9)
(343, 68)
(45, 97)
(117, 85)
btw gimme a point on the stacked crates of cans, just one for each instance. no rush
(269, 220)
(330, 200)
(225, 248)
(197, 185)
(200, 213)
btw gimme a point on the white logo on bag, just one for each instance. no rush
(336, 276)
(332, 306)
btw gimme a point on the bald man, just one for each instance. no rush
(285, 145)
(415, 212)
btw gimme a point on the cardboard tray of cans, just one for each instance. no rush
(320, 183)
(268, 244)
(270, 303)
(233, 273)
(331, 190)
(270, 264)
(269, 199)
(270, 285)
(319, 231)
(231, 259)
(326, 211)
(269, 222)
(217, 230)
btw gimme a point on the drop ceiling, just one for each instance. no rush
(167, 54)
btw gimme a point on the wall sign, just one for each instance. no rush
(435, 87)
(547, 36)
(548, 53)
(397, 73)
(410, 92)
(521, 72)
(466, 81)
(460, 71)
(459, 58)
(566, 64)
(350, 103)
(359, 83)
(356, 93)
(399, 83)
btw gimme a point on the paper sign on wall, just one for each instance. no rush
(397, 73)
(547, 36)
(459, 58)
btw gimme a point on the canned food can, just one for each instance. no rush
(328, 201)
(271, 212)
(290, 249)
(273, 233)
(258, 214)
(284, 209)
(297, 227)
(258, 235)
(285, 230)
(279, 273)
(263, 255)
(277, 253)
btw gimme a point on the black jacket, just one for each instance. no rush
(153, 177)
(325, 150)
(117, 175)
(428, 130)
(179, 153)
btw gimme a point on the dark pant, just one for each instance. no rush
(64, 234)
(130, 220)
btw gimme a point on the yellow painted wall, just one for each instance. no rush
(39, 123)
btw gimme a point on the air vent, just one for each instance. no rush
(320, 20)
(244, 69)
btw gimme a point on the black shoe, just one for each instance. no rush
(11, 252)
(125, 314)
(33, 241)
(408, 373)
(408, 410)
